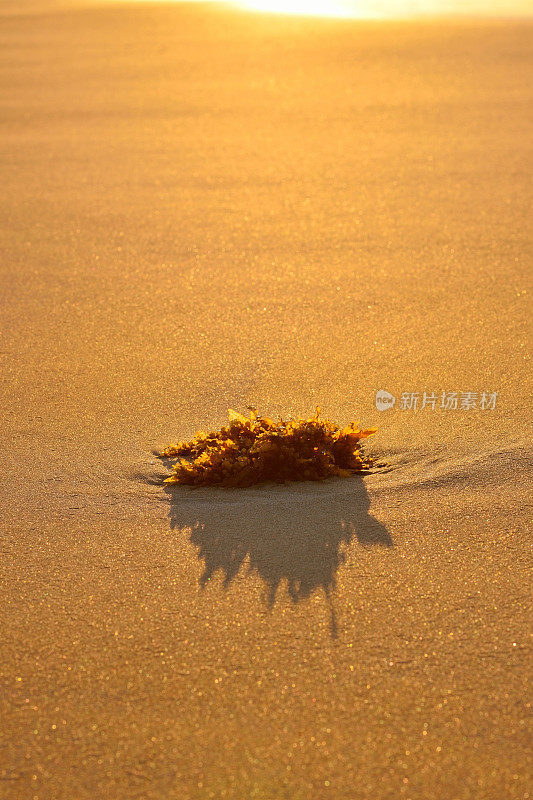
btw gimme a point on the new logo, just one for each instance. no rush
(384, 400)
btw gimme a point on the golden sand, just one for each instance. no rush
(202, 209)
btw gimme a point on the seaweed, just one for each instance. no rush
(255, 449)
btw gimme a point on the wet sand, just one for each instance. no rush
(204, 209)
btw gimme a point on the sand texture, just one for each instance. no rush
(203, 210)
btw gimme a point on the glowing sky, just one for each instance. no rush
(389, 8)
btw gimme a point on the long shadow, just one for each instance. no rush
(296, 534)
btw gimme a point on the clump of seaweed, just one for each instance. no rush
(256, 449)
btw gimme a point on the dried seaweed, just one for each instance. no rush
(256, 449)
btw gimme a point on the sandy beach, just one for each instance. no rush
(204, 209)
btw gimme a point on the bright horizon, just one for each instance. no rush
(383, 9)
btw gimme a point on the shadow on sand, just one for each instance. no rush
(296, 534)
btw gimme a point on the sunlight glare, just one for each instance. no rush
(383, 9)
(319, 8)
